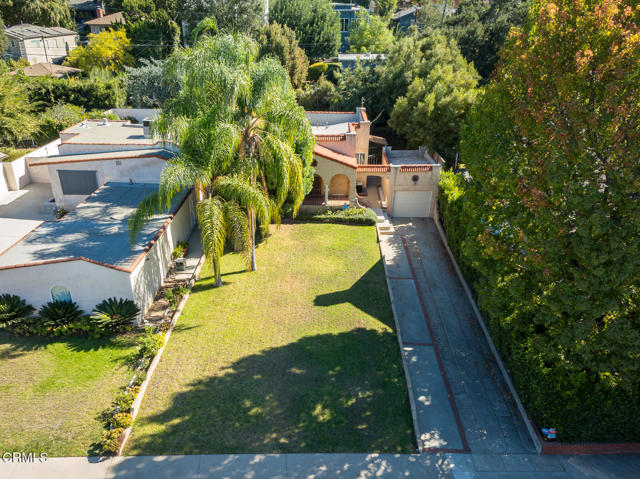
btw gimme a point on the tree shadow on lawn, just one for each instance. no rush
(369, 294)
(17, 346)
(342, 392)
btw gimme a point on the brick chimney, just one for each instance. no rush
(99, 12)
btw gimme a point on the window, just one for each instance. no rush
(78, 182)
(361, 158)
(46, 43)
(345, 24)
(55, 43)
(60, 293)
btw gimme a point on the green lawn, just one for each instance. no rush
(52, 391)
(299, 356)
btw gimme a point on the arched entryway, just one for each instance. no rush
(317, 190)
(339, 186)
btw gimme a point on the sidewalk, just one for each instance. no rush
(319, 466)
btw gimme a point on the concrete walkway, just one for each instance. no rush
(258, 466)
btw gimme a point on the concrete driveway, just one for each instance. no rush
(23, 210)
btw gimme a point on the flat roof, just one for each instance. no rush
(331, 122)
(113, 133)
(160, 153)
(96, 230)
(408, 157)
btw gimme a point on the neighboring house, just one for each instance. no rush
(349, 161)
(105, 22)
(84, 10)
(349, 60)
(100, 170)
(403, 19)
(48, 69)
(87, 256)
(40, 44)
(347, 13)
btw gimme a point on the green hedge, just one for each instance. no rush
(581, 405)
(356, 216)
(90, 94)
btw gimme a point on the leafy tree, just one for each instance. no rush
(316, 24)
(109, 49)
(17, 122)
(145, 84)
(481, 29)
(386, 8)
(553, 208)
(154, 36)
(244, 142)
(48, 13)
(438, 98)
(320, 95)
(280, 41)
(4, 43)
(369, 33)
(238, 16)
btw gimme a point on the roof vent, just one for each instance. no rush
(105, 122)
(146, 127)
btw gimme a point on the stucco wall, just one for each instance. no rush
(150, 273)
(138, 113)
(403, 181)
(346, 146)
(35, 50)
(16, 173)
(40, 174)
(140, 170)
(79, 148)
(339, 185)
(88, 283)
(327, 169)
(3, 183)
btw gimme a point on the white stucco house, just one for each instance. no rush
(354, 167)
(40, 44)
(100, 171)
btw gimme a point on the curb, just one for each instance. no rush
(505, 374)
(412, 404)
(135, 407)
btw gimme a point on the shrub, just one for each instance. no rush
(175, 295)
(122, 420)
(149, 344)
(91, 94)
(56, 316)
(114, 315)
(111, 440)
(13, 309)
(356, 216)
(125, 398)
(316, 70)
(29, 326)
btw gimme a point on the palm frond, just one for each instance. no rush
(240, 191)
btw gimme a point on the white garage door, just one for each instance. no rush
(414, 204)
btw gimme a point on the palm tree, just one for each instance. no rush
(245, 144)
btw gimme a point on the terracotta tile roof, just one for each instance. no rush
(335, 156)
(107, 19)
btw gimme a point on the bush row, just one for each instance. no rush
(61, 318)
(89, 93)
(357, 216)
(581, 405)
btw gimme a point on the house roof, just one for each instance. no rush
(159, 153)
(115, 132)
(47, 69)
(110, 19)
(403, 13)
(25, 31)
(95, 231)
(85, 4)
(325, 152)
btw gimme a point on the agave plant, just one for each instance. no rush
(59, 314)
(114, 314)
(13, 309)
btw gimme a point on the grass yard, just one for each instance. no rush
(52, 391)
(299, 356)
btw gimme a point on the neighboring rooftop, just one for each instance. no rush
(409, 157)
(96, 230)
(111, 133)
(110, 19)
(407, 11)
(25, 30)
(48, 69)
